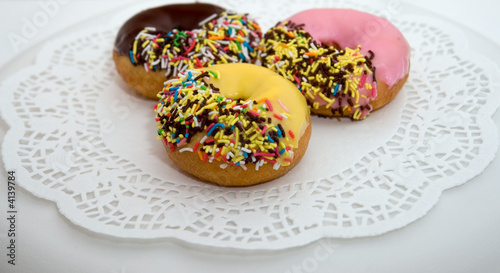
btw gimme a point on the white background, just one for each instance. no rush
(461, 234)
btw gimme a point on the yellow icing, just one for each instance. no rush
(252, 82)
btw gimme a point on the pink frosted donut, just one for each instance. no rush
(346, 62)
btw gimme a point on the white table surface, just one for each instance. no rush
(460, 234)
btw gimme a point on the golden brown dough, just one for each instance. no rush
(190, 163)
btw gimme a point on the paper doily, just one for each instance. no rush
(79, 137)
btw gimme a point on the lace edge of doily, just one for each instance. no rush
(299, 240)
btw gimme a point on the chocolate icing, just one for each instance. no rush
(164, 18)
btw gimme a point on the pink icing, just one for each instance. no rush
(350, 28)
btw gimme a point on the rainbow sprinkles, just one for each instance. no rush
(193, 116)
(343, 81)
(221, 38)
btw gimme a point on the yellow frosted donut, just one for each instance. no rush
(233, 124)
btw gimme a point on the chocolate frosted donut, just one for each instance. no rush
(159, 43)
(182, 17)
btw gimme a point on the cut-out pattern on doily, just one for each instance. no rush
(73, 139)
